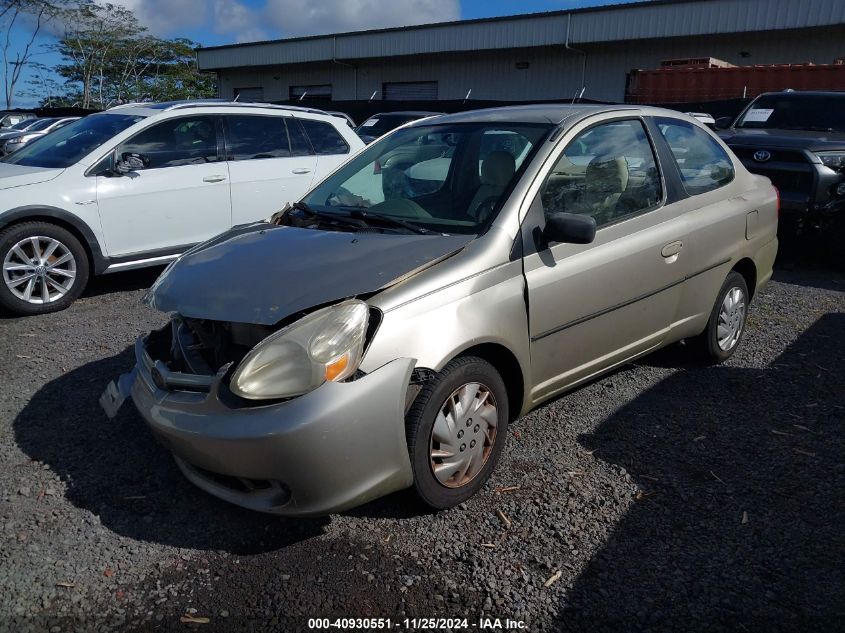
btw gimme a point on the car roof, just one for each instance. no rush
(799, 93)
(419, 113)
(153, 108)
(540, 113)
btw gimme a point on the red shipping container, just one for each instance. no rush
(685, 85)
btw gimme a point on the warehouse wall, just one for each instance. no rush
(552, 73)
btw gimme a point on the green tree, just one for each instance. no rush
(109, 57)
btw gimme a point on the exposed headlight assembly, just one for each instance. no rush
(326, 345)
(834, 160)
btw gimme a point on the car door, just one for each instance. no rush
(592, 306)
(265, 173)
(179, 197)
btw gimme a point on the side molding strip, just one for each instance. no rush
(624, 304)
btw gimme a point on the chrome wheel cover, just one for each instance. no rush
(731, 319)
(463, 435)
(39, 270)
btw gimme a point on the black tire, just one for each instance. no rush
(420, 425)
(706, 344)
(18, 232)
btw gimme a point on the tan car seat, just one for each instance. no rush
(497, 171)
(604, 183)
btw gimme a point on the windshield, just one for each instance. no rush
(41, 124)
(72, 142)
(384, 123)
(445, 178)
(21, 125)
(795, 111)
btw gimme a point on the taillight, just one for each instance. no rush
(777, 195)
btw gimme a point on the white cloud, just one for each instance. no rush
(307, 17)
(284, 18)
(166, 17)
(232, 17)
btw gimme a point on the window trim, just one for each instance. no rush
(227, 136)
(677, 168)
(558, 151)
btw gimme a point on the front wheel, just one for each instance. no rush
(456, 430)
(726, 325)
(44, 268)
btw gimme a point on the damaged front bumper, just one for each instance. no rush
(337, 447)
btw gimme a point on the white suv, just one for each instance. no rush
(138, 184)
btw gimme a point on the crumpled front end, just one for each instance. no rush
(339, 446)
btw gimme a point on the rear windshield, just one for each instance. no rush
(71, 143)
(795, 111)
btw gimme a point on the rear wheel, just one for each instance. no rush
(726, 325)
(44, 268)
(456, 430)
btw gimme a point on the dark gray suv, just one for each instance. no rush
(797, 140)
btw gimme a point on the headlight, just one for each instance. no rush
(834, 160)
(324, 346)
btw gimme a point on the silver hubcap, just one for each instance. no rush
(731, 319)
(463, 435)
(39, 269)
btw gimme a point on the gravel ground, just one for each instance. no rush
(666, 496)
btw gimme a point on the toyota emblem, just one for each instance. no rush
(762, 156)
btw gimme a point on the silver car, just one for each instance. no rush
(382, 332)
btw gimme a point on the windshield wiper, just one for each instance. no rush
(387, 219)
(320, 215)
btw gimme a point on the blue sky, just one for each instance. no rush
(214, 22)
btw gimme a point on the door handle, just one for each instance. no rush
(301, 170)
(216, 178)
(672, 249)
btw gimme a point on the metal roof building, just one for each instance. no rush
(538, 56)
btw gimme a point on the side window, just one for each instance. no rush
(299, 145)
(608, 172)
(702, 162)
(251, 137)
(175, 142)
(324, 138)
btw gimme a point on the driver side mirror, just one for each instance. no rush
(569, 228)
(723, 122)
(129, 162)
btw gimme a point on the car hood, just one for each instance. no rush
(20, 175)
(262, 273)
(787, 139)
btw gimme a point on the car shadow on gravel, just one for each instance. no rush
(123, 282)
(116, 470)
(739, 522)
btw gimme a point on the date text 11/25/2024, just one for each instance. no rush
(428, 624)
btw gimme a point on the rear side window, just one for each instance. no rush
(251, 137)
(702, 163)
(325, 139)
(175, 142)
